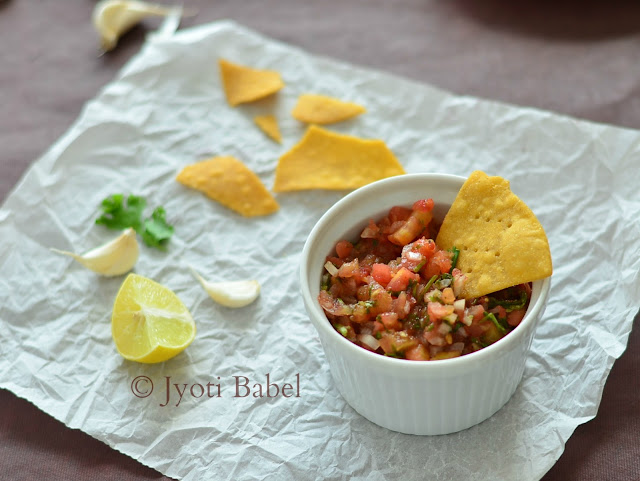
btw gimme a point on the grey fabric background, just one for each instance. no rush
(580, 58)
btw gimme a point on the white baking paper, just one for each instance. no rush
(166, 109)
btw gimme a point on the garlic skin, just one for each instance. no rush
(112, 18)
(114, 258)
(230, 293)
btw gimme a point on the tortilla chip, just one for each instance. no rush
(269, 125)
(319, 109)
(244, 84)
(230, 182)
(501, 242)
(327, 160)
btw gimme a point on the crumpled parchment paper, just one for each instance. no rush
(166, 109)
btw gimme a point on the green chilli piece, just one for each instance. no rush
(489, 316)
(454, 259)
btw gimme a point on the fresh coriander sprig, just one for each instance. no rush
(118, 214)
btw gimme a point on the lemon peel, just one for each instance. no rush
(149, 323)
(114, 258)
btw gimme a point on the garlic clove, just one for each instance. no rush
(230, 293)
(111, 259)
(112, 18)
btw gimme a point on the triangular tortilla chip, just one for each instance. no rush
(244, 84)
(319, 109)
(327, 160)
(501, 242)
(230, 182)
(269, 125)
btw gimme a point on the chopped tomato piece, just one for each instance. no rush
(371, 231)
(434, 337)
(499, 311)
(382, 301)
(515, 317)
(378, 327)
(415, 224)
(361, 313)
(437, 311)
(424, 205)
(333, 306)
(390, 321)
(343, 249)
(476, 312)
(397, 342)
(349, 269)
(417, 353)
(381, 273)
(440, 263)
(399, 213)
(402, 305)
(363, 293)
(400, 280)
(425, 246)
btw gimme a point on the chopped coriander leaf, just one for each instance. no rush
(430, 283)
(118, 215)
(445, 280)
(397, 355)
(509, 304)
(413, 322)
(157, 231)
(419, 266)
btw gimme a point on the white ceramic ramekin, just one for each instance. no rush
(431, 397)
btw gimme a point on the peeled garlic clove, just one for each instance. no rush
(230, 293)
(111, 259)
(112, 18)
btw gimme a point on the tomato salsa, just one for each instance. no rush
(395, 293)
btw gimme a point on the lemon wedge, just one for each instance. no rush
(230, 293)
(150, 323)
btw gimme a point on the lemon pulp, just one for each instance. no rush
(150, 323)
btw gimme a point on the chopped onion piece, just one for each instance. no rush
(369, 340)
(444, 328)
(458, 346)
(459, 305)
(331, 269)
(451, 318)
(467, 320)
(434, 295)
(458, 283)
